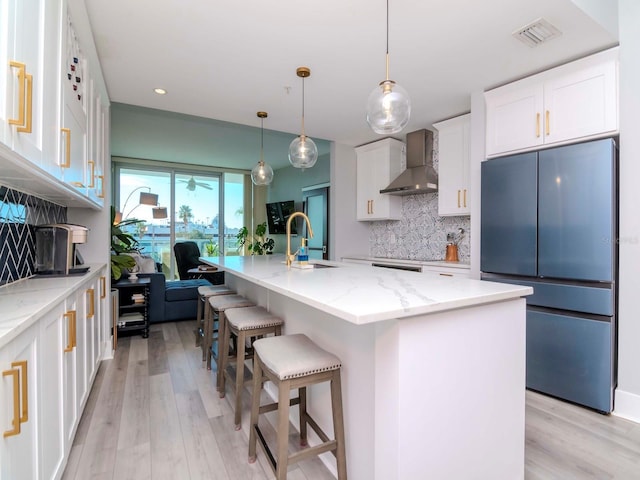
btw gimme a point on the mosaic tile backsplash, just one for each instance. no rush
(421, 234)
(19, 214)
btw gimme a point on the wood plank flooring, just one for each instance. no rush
(154, 414)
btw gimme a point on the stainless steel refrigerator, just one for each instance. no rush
(549, 220)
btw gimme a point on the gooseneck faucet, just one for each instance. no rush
(289, 255)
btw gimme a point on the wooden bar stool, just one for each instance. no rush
(244, 323)
(294, 361)
(204, 314)
(219, 305)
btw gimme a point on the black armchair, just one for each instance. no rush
(188, 257)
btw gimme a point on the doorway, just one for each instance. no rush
(316, 207)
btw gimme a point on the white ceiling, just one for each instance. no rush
(227, 60)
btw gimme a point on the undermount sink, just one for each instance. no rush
(323, 265)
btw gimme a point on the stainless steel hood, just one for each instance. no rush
(419, 177)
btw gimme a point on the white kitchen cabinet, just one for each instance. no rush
(75, 105)
(70, 368)
(28, 65)
(446, 271)
(453, 166)
(19, 407)
(378, 163)
(572, 102)
(53, 331)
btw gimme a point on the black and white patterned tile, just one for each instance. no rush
(19, 214)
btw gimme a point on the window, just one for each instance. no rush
(204, 207)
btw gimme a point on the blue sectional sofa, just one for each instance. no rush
(173, 300)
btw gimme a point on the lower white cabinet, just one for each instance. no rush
(47, 374)
(445, 271)
(19, 402)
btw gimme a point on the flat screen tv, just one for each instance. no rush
(277, 216)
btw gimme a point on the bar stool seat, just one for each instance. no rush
(295, 362)
(219, 305)
(204, 315)
(244, 323)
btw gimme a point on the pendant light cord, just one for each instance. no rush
(387, 56)
(303, 135)
(261, 140)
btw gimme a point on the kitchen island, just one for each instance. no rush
(433, 367)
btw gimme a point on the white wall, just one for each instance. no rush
(627, 399)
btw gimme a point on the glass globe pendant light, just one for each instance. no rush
(388, 105)
(262, 174)
(303, 152)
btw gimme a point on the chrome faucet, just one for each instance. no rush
(289, 255)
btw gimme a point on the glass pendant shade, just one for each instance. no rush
(262, 174)
(303, 152)
(388, 108)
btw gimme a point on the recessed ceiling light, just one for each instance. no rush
(160, 91)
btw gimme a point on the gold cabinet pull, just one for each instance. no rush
(92, 168)
(538, 125)
(458, 198)
(371, 207)
(546, 123)
(24, 389)
(73, 323)
(69, 316)
(67, 148)
(22, 77)
(101, 194)
(465, 198)
(92, 303)
(29, 106)
(446, 274)
(103, 287)
(16, 403)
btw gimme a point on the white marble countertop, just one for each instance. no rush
(363, 294)
(404, 261)
(24, 302)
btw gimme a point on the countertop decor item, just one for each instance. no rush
(388, 105)
(262, 173)
(303, 152)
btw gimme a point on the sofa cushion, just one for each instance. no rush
(183, 289)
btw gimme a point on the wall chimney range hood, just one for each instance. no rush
(419, 176)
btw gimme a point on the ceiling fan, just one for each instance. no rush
(192, 184)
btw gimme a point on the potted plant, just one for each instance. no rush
(121, 244)
(259, 244)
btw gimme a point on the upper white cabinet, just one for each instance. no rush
(378, 163)
(47, 102)
(574, 101)
(28, 65)
(453, 166)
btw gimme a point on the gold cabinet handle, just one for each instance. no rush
(103, 287)
(73, 323)
(546, 123)
(446, 274)
(92, 303)
(465, 198)
(101, 194)
(538, 125)
(67, 149)
(29, 106)
(458, 198)
(24, 389)
(22, 77)
(16, 403)
(371, 207)
(69, 316)
(92, 170)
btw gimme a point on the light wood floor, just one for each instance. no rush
(153, 413)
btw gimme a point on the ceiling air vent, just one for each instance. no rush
(537, 32)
